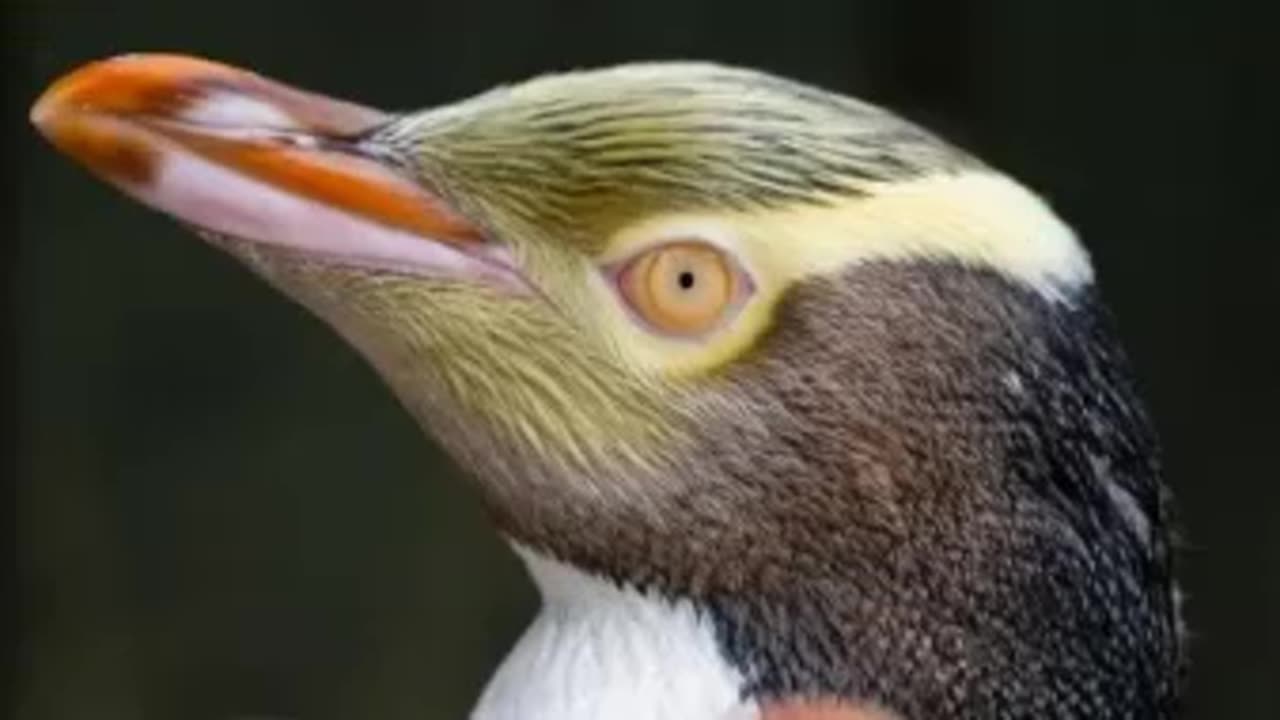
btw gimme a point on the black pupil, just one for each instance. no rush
(686, 280)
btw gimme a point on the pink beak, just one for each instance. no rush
(241, 155)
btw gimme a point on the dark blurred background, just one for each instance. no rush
(222, 514)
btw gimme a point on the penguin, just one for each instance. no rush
(793, 410)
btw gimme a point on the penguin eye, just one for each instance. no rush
(682, 288)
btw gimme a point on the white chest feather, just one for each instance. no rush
(600, 651)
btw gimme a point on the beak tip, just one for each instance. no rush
(47, 108)
(43, 112)
(67, 91)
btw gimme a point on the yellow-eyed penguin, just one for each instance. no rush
(793, 410)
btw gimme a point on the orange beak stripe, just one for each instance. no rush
(278, 135)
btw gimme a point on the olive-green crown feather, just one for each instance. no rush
(592, 151)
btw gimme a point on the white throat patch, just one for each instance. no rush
(598, 650)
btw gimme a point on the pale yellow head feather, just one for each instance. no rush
(977, 218)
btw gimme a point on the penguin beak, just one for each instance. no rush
(243, 156)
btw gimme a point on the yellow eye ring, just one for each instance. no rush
(682, 288)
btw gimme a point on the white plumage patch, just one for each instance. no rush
(598, 650)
